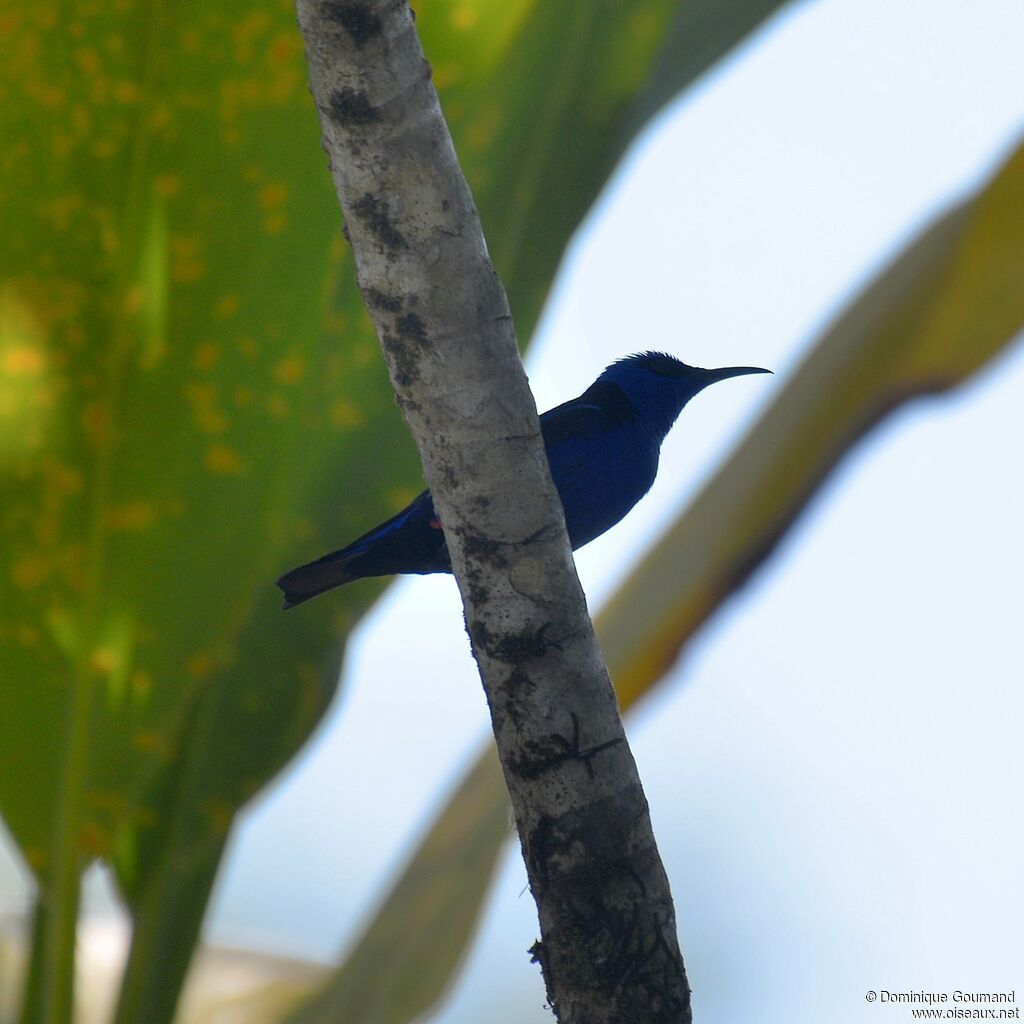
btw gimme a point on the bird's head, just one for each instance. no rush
(659, 385)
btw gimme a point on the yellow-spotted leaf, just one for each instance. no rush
(191, 401)
(187, 395)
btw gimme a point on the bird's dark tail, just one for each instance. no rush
(317, 577)
(410, 542)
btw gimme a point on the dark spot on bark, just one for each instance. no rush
(451, 478)
(519, 683)
(541, 843)
(541, 755)
(480, 635)
(407, 404)
(349, 106)
(377, 299)
(357, 19)
(538, 955)
(520, 689)
(478, 592)
(524, 646)
(412, 327)
(373, 213)
(404, 363)
(482, 549)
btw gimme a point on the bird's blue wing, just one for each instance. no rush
(602, 463)
(601, 409)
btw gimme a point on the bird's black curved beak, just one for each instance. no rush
(712, 376)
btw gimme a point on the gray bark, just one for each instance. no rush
(608, 945)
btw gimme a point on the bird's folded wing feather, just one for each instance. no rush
(602, 408)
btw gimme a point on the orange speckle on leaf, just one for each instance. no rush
(201, 394)
(126, 92)
(274, 223)
(227, 305)
(48, 95)
(96, 421)
(167, 185)
(220, 814)
(242, 395)
(273, 195)
(88, 61)
(103, 661)
(207, 355)
(200, 665)
(134, 297)
(284, 46)
(464, 16)
(290, 370)
(107, 800)
(346, 415)
(159, 117)
(31, 570)
(28, 635)
(482, 131)
(35, 857)
(277, 407)
(150, 742)
(187, 265)
(95, 840)
(211, 420)
(445, 75)
(222, 459)
(399, 497)
(23, 361)
(142, 682)
(62, 210)
(63, 479)
(134, 515)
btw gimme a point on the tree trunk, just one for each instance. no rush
(608, 945)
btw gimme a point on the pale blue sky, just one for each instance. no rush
(834, 770)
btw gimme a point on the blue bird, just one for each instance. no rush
(603, 450)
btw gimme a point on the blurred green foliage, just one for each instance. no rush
(191, 401)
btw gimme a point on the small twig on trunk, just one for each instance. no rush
(608, 945)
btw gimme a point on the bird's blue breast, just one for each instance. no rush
(600, 478)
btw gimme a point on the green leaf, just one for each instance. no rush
(185, 401)
(192, 401)
(944, 307)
